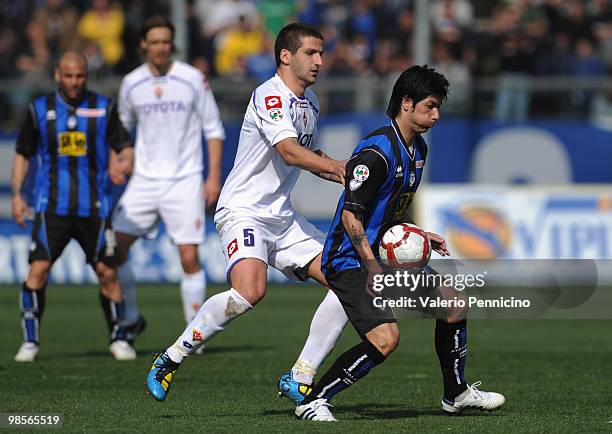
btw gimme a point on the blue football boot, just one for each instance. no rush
(160, 376)
(292, 389)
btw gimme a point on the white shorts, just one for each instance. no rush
(178, 202)
(288, 247)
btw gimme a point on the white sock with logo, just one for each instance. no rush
(325, 330)
(215, 313)
(193, 293)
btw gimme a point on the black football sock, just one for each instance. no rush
(114, 313)
(354, 364)
(451, 347)
(32, 306)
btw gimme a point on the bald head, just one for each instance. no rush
(73, 58)
(71, 76)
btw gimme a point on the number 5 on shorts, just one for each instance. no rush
(249, 237)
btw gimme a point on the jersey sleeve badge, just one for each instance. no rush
(360, 174)
(273, 102)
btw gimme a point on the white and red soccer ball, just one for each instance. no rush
(405, 246)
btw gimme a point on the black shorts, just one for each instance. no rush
(350, 287)
(367, 310)
(51, 233)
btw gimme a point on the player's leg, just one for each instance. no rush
(50, 234)
(246, 250)
(135, 321)
(451, 349)
(181, 208)
(32, 306)
(193, 282)
(299, 256)
(97, 239)
(135, 216)
(380, 337)
(325, 329)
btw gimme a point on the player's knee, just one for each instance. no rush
(105, 273)
(190, 261)
(253, 293)
(385, 338)
(457, 314)
(38, 274)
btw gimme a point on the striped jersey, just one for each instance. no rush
(73, 145)
(382, 177)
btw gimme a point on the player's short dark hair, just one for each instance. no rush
(156, 21)
(290, 38)
(416, 83)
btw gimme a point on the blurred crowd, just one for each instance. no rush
(509, 39)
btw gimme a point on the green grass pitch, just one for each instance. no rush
(556, 375)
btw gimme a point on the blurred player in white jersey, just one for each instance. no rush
(170, 103)
(254, 216)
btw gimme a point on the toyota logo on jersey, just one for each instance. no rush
(273, 102)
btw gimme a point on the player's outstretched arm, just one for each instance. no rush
(295, 155)
(20, 209)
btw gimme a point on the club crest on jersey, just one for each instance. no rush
(273, 102)
(419, 164)
(158, 91)
(361, 173)
(232, 248)
(412, 178)
(276, 114)
(71, 122)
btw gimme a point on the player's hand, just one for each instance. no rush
(374, 269)
(337, 171)
(438, 244)
(119, 169)
(20, 210)
(212, 189)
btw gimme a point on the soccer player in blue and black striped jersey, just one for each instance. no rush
(72, 132)
(383, 175)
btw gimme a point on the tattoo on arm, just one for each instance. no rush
(357, 235)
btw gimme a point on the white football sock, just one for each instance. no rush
(126, 280)
(214, 314)
(325, 329)
(193, 293)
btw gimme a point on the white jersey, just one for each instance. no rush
(260, 182)
(170, 111)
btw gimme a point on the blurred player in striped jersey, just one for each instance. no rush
(73, 131)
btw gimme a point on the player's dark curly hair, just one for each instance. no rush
(417, 83)
(156, 21)
(290, 38)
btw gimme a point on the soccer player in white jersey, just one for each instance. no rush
(254, 216)
(170, 103)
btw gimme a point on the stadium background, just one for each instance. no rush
(519, 168)
(528, 120)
